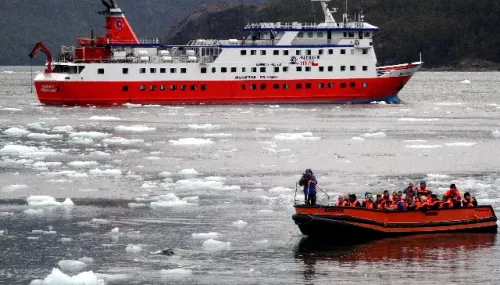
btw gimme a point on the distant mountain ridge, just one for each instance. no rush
(450, 34)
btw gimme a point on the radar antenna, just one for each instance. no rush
(328, 13)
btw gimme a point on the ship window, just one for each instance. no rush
(353, 68)
(276, 52)
(298, 86)
(262, 69)
(320, 52)
(203, 70)
(365, 51)
(365, 84)
(233, 69)
(254, 69)
(365, 68)
(125, 70)
(214, 70)
(263, 86)
(152, 70)
(330, 68)
(319, 34)
(142, 88)
(193, 87)
(351, 34)
(321, 68)
(330, 51)
(183, 87)
(342, 85)
(243, 69)
(100, 71)
(297, 52)
(285, 52)
(310, 34)
(342, 68)
(243, 52)
(321, 85)
(125, 88)
(300, 35)
(173, 70)
(342, 51)
(163, 70)
(204, 87)
(223, 69)
(253, 86)
(163, 87)
(263, 52)
(173, 87)
(276, 86)
(308, 51)
(299, 68)
(308, 68)
(352, 84)
(330, 85)
(183, 70)
(152, 88)
(243, 87)
(367, 34)
(80, 69)
(253, 52)
(345, 34)
(285, 68)
(276, 69)
(308, 85)
(285, 86)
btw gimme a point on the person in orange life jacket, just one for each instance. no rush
(394, 197)
(309, 182)
(379, 202)
(410, 201)
(399, 203)
(400, 194)
(368, 202)
(453, 190)
(420, 202)
(410, 188)
(386, 195)
(433, 203)
(456, 201)
(388, 205)
(422, 189)
(341, 202)
(353, 201)
(468, 201)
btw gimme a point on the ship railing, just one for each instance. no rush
(317, 187)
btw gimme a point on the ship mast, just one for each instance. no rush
(328, 13)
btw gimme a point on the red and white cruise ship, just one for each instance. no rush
(330, 62)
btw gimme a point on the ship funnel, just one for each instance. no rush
(118, 29)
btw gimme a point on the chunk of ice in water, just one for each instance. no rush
(465, 81)
(357, 139)
(90, 135)
(65, 240)
(62, 129)
(57, 277)
(134, 129)
(15, 187)
(424, 146)
(188, 172)
(378, 135)
(16, 132)
(106, 172)
(165, 174)
(104, 118)
(73, 266)
(460, 144)
(34, 212)
(306, 136)
(191, 141)
(240, 224)
(177, 273)
(495, 134)
(205, 236)
(43, 136)
(203, 127)
(132, 248)
(83, 164)
(115, 230)
(212, 245)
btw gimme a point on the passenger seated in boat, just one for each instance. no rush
(386, 196)
(433, 202)
(400, 203)
(422, 189)
(468, 201)
(353, 201)
(410, 201)
(309, 182)
(394, 197)
(421, 202)
(368, 203)
(379, 202)
(388, 205)
(341, 202)
(410, 188)
(456, 201)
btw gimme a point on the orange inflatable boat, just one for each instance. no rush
(346, 223)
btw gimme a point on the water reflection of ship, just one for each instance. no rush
(415, 248)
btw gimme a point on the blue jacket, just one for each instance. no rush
(309, 186)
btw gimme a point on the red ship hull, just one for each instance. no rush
(363, 90)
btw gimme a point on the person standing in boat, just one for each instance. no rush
(410, 188)
(422, 190)
(309, 181)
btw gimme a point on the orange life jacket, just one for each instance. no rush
(450, 192)
(341, 204)
(421, 191)
(466, 203)
(368, 205)
(353, 204)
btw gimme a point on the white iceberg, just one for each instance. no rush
(133, 249)
(57, 277)
(205, 236)
(134, 129)
(16, 132)
(212, 245)
(72, 266)
(378, 135)
(240, 224)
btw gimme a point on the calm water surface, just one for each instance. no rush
(163, 173)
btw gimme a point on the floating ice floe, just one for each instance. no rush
(14, 187)
(42, 232)
(424, 146)
(305, 136)
(495, 134)
(169, 200)
(265, 212)
(39, 126)
(122, 141)
(16, 132)
(465, 81)
(87, 260)
(219, 135)
(90, 135)
(62, 129)
(81, 141)
(65, 240)
(188, 172)
(378, 135)
(57, 277)
(132, 248)
(357, 139)
(43, 164)
(205, 184)
(104, 118)
(166, 174)
(12, 109)
(67, 173)
(115, 231)
(8, 72)
(191, 141)
(177, 273)
(27, 151)
(33, 212)
(460, 144)
(137, 205)
(134, 129)
(72, 266)
(212, 245)
(43, 136)
(205, 236)
(418, 119)
(83, 164)
(131, 105)
(47, 201)
(203, 127)
(106, 172)
(100, 221)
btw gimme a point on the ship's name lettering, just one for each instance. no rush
(309, 57)
(268, 64)
(245, 77)
(268, 77)
(49, 88)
